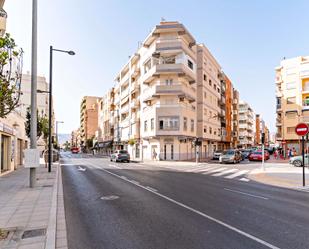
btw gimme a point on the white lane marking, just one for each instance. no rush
(124, 177)
(214, 171)
(134, 182)
(244, 193)
(203, 169)
(263, 242)
(81, 169)
(208, 169)
(239, 173)
(152, 189)
(225, 172)
(244, 179)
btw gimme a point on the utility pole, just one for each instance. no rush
(33, 121)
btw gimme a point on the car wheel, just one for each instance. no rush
(234, 161)
(297, 163)
(128, 161)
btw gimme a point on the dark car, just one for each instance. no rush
(120, 156)
(245, 154)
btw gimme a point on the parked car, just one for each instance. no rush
(120, 156)
(230, 156)
(257, 155)
(297, 161)
(217, 155)
(75, 150)
(245, 153)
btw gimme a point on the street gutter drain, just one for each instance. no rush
(109, 197)
(33, 233)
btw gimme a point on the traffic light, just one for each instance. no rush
(263, 138)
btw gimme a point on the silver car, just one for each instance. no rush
(230, 156)
(120, 156)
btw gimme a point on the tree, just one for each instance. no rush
(42, 125)
(10, 75)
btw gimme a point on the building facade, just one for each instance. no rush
(88, 119)
(292, 99)
(246, 125)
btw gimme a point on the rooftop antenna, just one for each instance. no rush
(163, 19)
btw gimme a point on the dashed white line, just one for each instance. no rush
(214, 170)
(244, 193)
(152, 189)
(252, 237)
(244, 179)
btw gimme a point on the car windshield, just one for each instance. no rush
(229, 152)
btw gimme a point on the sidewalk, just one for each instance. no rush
(281, 175)
(30, 215)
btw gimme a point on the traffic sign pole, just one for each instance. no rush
(303, 154)
(302, 130)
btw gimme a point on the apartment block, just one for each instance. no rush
(88, 118)
(235, 118)
(260, 129)
(105, 133)
(3, 17)
(169, 93)
(211, 103)
(246, 125)
(292, 99)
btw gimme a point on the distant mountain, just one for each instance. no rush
(63, 138)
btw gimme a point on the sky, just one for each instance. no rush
(248, 39)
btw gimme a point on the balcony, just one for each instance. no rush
(221, 101)
(124, 109)
(304, 74)
(278, 79)
(305, 104)
(278, 106)
(176, 45)
(176, 89)
(180, 69)
(135, 103)
(278, 122)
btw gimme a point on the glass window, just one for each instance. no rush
(184, 124)
(190, 64)
(192, 125)
(169, 123)
(152, 124)
(161, 124)
(145, 125)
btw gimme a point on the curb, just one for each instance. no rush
(51, 230)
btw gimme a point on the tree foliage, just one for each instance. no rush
(10, 75)
(42, 125)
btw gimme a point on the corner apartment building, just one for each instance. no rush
(211, 102)
(13, 139)
(292, 99)
(88, 118)
(246, 125)
(260, 128)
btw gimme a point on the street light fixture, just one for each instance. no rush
(51, 49)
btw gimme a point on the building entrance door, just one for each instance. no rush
(168, 152)
(5, 156)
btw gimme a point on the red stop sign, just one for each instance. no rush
(302, 129)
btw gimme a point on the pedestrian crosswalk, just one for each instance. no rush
(216, 170)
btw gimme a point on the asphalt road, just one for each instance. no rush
(151, 207)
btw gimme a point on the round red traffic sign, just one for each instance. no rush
(302, 129)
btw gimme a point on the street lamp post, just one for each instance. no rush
(33, 122)
(57, 122)
(51, 49)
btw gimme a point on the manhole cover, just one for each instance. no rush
(109, 197)
(33, 233)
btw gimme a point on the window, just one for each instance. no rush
(152, 124)
(290, 115)
(169, 82)
(210, 83)
(205, 129)
(218, 90)
(185, 120)
(291, 100)
(168, 60)
(210, 130)
(192, 125)
(161, 124)
(205, 95)
(190, 64)
(145, 125)
(215, 86)
(290, 85)
(205, 77)
(169, 123)
(290, 130)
